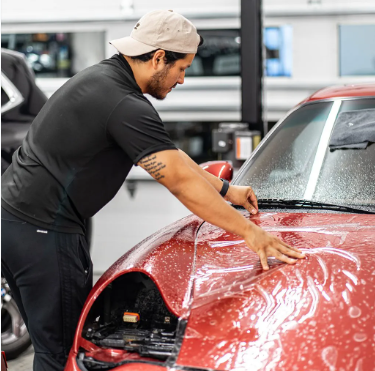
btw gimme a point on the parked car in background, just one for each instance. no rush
(21, 101)
(194, 297)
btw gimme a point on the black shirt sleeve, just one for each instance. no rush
(137, 128)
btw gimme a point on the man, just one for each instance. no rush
(76, 156)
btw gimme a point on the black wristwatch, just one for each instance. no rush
(225, 187)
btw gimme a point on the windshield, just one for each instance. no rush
(297, 163)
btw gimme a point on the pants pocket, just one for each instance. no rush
(74, 260)
(85, 259)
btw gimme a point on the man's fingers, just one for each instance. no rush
(291, 247)
(253, 199)
(254, 208)
(250, 208)
(263, 260)
(278, 255)
(269, 245)
(301, 254)
(291, 252)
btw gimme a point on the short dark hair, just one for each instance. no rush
(171, 57)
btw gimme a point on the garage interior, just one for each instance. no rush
(260, 59)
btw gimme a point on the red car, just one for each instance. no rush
(194, 297)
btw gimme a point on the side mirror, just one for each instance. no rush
(221, 169)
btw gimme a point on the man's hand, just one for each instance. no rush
(243, 196)
(265, 245)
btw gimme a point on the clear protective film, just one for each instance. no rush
(316, 315)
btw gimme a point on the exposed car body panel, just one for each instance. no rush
(173, 249)
(298, 317)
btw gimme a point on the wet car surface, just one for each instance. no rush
(194, 297)
(314, 315)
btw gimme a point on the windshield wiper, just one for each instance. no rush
(296, 204)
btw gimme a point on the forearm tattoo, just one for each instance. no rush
(153, 167)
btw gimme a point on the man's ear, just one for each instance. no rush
(158, 59)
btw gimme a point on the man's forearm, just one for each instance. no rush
(196, 193)
(212, 179)
(190, 185)
(237, 195)
(193, 188)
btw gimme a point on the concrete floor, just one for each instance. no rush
(24, 362)
(119, 226)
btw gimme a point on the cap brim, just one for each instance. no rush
(131, 47)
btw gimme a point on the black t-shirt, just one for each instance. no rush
(81, 147)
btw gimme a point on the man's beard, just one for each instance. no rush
(155, 85)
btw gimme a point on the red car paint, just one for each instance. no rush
(315, 315)
(221, 169)
(316, 311)
(4, 365)
(346, 91)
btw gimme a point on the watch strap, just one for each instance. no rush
(225, 187)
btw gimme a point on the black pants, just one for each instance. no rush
(50, 276)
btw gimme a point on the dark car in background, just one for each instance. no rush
(21, 101)
(194, 297)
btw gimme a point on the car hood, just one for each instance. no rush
(316, 314)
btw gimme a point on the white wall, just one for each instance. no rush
(48, 10)
(88, 48)
(315, 44)
(75, 10)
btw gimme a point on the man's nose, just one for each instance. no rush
(181, 78)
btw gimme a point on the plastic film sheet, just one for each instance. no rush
(161, 256)
(318, 314)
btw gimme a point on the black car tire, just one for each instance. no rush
(14, 336)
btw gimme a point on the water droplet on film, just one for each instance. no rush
(354, 312)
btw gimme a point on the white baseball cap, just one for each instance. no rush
(160, 29)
